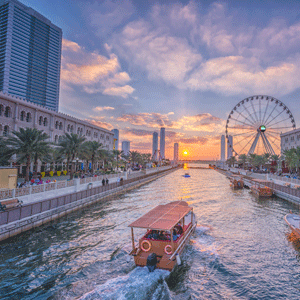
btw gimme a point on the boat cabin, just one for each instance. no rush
(260, 189)
(167, 230)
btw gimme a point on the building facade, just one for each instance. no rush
(229, 146)
(116, 139)
(126, 147)
(223, 148)
(176, 148)
(162, 142)
(30, 54)
(17, 113)
(289, 140)
(155, 146)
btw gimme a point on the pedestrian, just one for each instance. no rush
(103, 181)
(106, 180)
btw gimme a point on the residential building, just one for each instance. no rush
(223, 148)
(162, 142)
(290, 139)
(155, 146)
(116, 139)
(176, 148)
(17, 113)
(126, 147)
(229, 146)
(30, 54)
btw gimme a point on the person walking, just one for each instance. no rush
(106, 180)
(103, 181)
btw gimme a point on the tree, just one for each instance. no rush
(242, 160)
(134, 157)
(117, 154)
(91, 151)
(5, 152)
(291, 159)
(71, 145)
(231, 161)
(28, 143)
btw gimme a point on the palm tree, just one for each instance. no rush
(71, 145)
(242, 159)
(28, 143)
(5, 152)
(134, 157)
(92, 151)
(231, 161)
(117, 154)
(291, 159)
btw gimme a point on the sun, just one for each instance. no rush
(185, 152)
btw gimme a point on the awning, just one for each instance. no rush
(163, 217)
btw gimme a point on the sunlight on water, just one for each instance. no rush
(241, 249)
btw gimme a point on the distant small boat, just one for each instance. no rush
(236, 182)
(293, 221)
(186, 175)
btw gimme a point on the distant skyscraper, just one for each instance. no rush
(126, 147)
(223, 148)
(229, 146)
(155, 145)
(162, 142)
(176, 152)
(116, 139)
(30, 54)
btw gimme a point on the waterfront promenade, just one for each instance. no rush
(47, 205)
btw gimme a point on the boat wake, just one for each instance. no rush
(138, 284)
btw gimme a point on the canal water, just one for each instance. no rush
(242, 248)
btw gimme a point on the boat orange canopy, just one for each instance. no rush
(163, 217)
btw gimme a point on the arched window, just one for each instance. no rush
(1, 128)
(68, 128)
(60, 138)
(81, 131)
(56, 139)
(7, 113)
(40, 120)
(28, 117)
(72, 128)
(45, 122)
(22, 116)
(6, 131)
(78, 130)
(60, 126)
(1, 109)
(56, 125)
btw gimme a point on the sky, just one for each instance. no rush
(140, 65)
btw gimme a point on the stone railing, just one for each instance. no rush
(284, 179)
(34, 189)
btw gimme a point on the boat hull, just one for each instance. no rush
(262, 192)
(293, 221)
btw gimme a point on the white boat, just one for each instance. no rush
(293, 221)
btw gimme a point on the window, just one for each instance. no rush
(7, 113)
(68, 128)
(1, 109)
(6, 131)
(78, 131)
(286, 140)
(56, 125)
(298, 137)
(28, 117)
(71, 128)
(60, 138)
(95, 134)
(45, 122)
(40, 120)
(56, 139)
(60, 126)
(22, 116)
(107, 138)
(292, 138)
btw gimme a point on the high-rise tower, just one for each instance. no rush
(155, 146)
(162, 142)
(223, 148)
(116, 139)
(126, 147)
(30, 54)
(229, 146)
(176, 152)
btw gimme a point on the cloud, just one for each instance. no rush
(204, 50)
(100, 124)
(93, 72)
(101, 108)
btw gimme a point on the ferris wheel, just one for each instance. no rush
(254, 125)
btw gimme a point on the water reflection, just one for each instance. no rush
(242, 248)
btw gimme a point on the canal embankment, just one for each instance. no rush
(284, 188)
(36, 212)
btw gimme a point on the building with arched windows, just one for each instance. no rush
(17, 113)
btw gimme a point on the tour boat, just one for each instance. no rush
(293, 221)
(236, 182)
(159, 247)
(186, 175)
(260, 189)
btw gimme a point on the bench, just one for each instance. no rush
(8, 204)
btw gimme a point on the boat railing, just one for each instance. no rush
(187, 235)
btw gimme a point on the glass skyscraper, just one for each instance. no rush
(30, 54)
